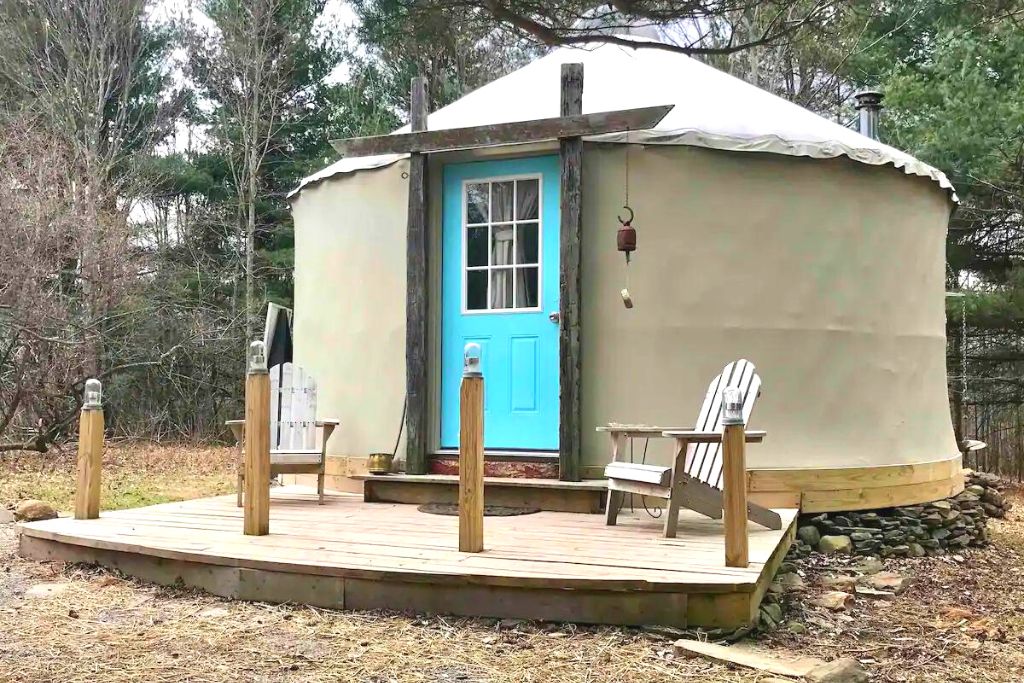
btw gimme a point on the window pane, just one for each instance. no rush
(501, 288)
(476, 246)
(476, 290)
(501, 249)
(526, 287)
(527, 196)
(527, 241)
(476, 203)
(501, 195)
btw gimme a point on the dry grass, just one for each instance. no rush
(105, 628)
(962, 619)
(102, 627)
(134, 474)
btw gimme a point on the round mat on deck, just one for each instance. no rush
(452, 509)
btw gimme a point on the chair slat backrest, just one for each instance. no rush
(704, 460)
(292, 408)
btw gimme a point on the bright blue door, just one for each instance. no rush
(500, 285)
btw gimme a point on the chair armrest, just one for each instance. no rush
(697, 436)
(237, 429)
(634, 431)
(328, 426)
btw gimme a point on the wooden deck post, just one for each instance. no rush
(416, 298)
(571, 189)
(471, 454)
(90, 452)
(734, 494)
(256, 504)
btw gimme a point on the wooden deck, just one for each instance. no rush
(356, 555)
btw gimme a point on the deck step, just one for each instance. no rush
(586, 496)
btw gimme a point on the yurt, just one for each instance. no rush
(764, 232)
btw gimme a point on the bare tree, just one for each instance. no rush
(245, 66)
(80, 67)
(83, 101)
(47, 330)
(696, 27)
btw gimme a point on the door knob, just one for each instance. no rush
(554, 316)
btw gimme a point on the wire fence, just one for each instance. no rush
(1001, 426)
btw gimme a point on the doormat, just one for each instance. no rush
(452, 510)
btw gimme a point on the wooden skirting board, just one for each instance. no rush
(860, 488)
(850, 488)
(812, 490)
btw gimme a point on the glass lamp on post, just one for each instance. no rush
(93, 397)
(257, 357)
(732, 406)
(471, 361)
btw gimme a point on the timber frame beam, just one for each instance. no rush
(416, 299)
(572, 125)
(570, 154)
(568, 129)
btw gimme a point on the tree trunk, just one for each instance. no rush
(250, 252)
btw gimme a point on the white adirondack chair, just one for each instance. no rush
(695, 480)
(294, 445)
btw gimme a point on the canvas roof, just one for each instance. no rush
(712, 109)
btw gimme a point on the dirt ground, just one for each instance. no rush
(962, 619)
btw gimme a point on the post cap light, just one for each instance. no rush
(93, 399)
(732, 406)
(257, 357)
(471, 360)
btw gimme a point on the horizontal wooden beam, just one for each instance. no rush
(518, 132)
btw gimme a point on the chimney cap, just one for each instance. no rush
(869, 99)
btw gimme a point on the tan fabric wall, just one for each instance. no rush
(350, 303)
(828, 275)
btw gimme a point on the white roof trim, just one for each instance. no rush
(712, 110)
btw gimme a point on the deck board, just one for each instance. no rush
(388, 542)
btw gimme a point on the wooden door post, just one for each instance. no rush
(471, 454)
(734, 494)
(90, 452)
(256, 504)
(416, 299)
(571, 190)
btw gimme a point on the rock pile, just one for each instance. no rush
(909, 531)
(988, 487)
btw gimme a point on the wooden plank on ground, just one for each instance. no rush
(742, 655)
(575, 124)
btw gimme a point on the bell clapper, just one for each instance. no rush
(626, 242)
(626, 237)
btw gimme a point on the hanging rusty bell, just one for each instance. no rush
(626, 237)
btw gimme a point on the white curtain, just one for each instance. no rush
(501, 282)
(529, 195)
(510, 202)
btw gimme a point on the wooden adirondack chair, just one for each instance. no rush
(695, 480)
(293, 428)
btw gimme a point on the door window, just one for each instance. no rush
(502, 233)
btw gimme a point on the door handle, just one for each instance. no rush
(554, 316)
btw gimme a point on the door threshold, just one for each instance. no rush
(498, 454)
